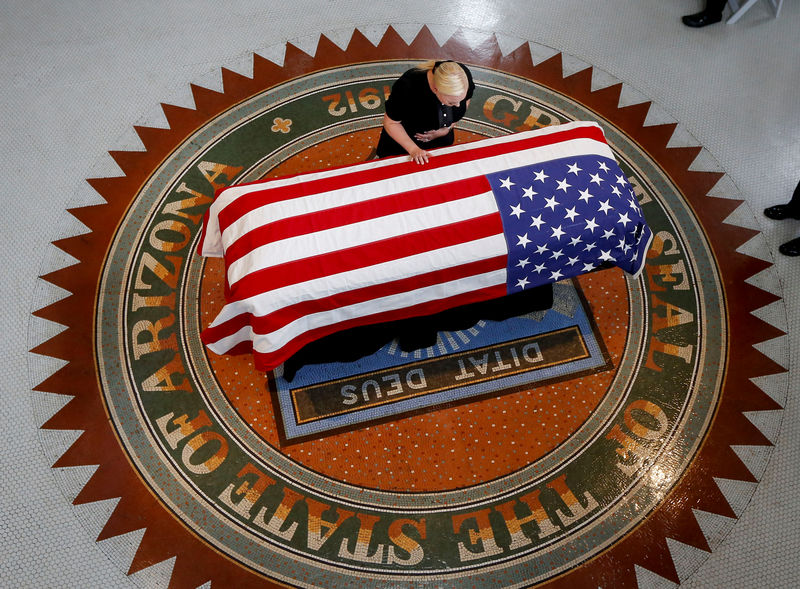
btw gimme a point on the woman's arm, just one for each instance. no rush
(398, 133)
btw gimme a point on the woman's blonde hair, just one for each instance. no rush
(448, 76)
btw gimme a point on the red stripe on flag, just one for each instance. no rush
(313, 222)
(283, 317)
(258, 198)
(269, 361)
(369, 254)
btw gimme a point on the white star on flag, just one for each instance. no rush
(540, 175)
(585, 196)
(603, 166)
(557, 232)
(551, 203)
(591, 225)
(571, 214)
(528, 192)
(596, 179)
(537, 222)
(523, 240)
(605, 207)
(524, 262)
(574, 169)
(522, 282)
(562, 185)
(516, 211)
(507, 183)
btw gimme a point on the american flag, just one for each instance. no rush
(312, 254)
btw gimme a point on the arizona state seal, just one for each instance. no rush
(552, 447)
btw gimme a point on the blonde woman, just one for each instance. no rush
(424, 104)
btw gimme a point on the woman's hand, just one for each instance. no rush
(398, 133)
(419, 155)
(431, 135)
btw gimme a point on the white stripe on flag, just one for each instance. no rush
(270, 342)
(438, 259)
(360, 233)
(232, 193)
(416, 180)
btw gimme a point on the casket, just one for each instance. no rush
(309, 255)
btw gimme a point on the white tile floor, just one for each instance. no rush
(76, 76)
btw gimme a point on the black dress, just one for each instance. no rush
(415, 106)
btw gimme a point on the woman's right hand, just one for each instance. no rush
(419, 155)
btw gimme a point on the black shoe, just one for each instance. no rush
(779, 212)
(791, 248)
(701, 19)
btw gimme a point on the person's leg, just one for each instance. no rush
(711, 14)
(794, 204)
(715, 7)
(791, 210)
(791, 247)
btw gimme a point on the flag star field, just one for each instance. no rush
(566, 217)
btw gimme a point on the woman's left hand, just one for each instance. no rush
(431, 135)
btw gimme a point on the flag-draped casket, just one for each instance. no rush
(312, 254)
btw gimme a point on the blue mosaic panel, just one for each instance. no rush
(491, 357)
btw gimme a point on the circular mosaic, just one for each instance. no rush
(525, 469)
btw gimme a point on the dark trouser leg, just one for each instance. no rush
(712, 13)
(794, 204)
(789, 210)
(715, 7)
(791, 248)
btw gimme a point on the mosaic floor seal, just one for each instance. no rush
(571, 479)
